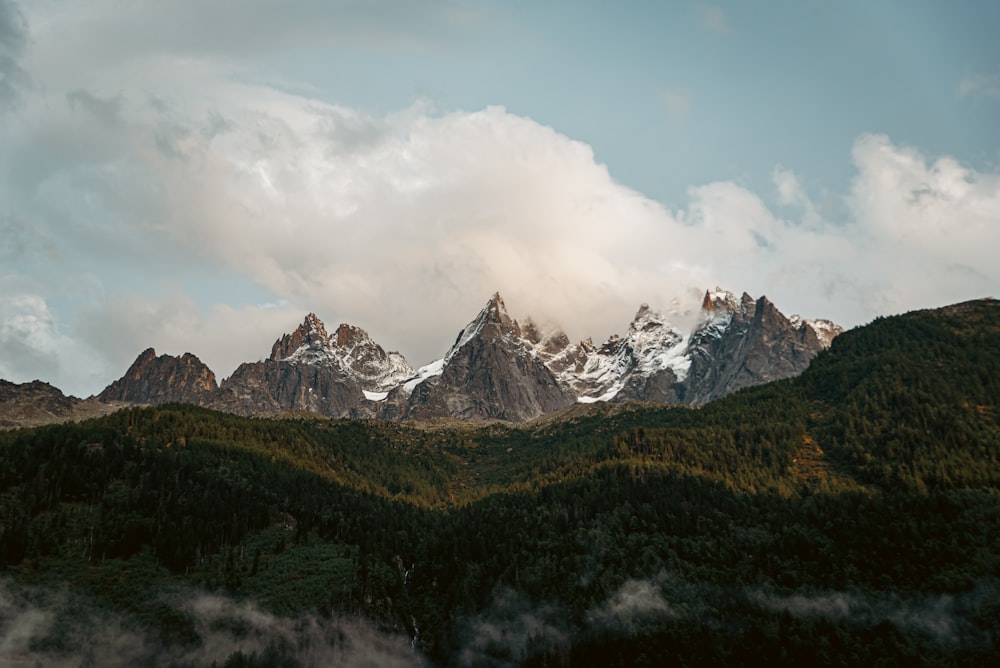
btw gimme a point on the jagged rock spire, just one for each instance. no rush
(495, 312)
(492, 371)
(311, 332)
(493, 317)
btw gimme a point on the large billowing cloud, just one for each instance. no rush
(132, 186)
(929, 230)
(404, 224)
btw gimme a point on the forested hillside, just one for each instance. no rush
(849, 516)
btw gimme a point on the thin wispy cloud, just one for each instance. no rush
(712, 17)
(677, 102)
(13, 42)
(986, 85)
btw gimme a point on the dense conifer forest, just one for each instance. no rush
(849, 516)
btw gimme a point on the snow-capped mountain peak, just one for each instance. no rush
(826, 330)
(652, 347)
(652, 360)
(494, 313)
(492, 370)
(718, 301)
(311, 335)
(350, 350)
(656, 344)
(376, 369)
(498, 369)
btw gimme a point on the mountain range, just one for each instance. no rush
(497, 368)
(847, 516)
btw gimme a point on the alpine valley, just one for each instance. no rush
(816, 504)
(497, 368)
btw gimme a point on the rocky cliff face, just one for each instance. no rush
(365, 360)
(745, 342)
(310, 370)
(491, 372)
(35, 402)
(350, 350)
(265, 387)
(157, 380)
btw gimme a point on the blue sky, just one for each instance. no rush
(674, 93)
(196, 176)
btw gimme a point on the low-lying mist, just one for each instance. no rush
(56, 627)
(61, 629)
(514, 630)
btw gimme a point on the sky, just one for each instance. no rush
(198, 175)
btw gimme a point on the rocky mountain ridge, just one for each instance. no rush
(748, 342)
(36, 403)
(497, 368)
(161, 379)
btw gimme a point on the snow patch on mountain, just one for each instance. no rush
(604, 373)
(435, 368)
(314, 353)
(607, 396)
(350, 350)
(657, 345)
(651, 346)
(494, 312)
(825, 330)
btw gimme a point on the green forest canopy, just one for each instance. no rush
(870, 481)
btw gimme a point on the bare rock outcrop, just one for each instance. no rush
(160, 379)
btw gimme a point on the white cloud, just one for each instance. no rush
(403, 224)
(986, 85)
(33, 347)
(931, 228)
(917, 233)
(790, 191)
(940, 207)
